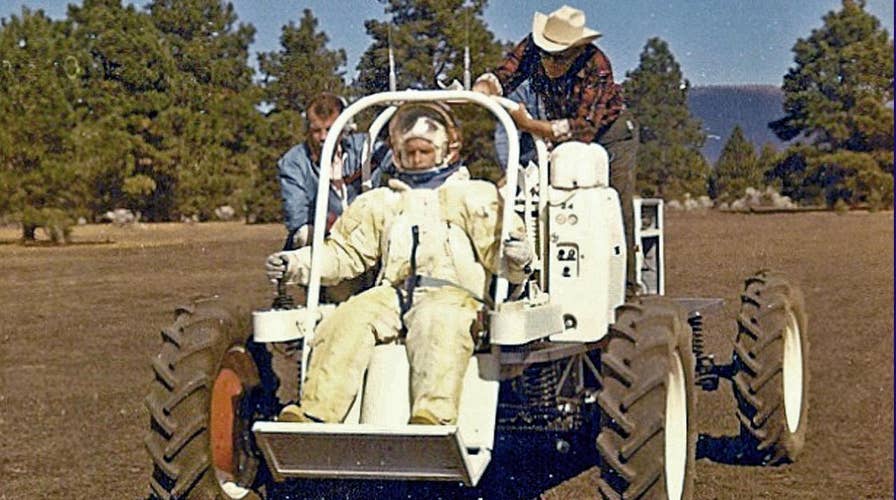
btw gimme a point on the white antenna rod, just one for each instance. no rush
(466, 68)
(393, 85)
(467, 51)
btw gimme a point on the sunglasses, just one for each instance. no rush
(561, 57)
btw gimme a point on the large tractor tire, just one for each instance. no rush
(771, 354)
(199, 435)
(647, 439)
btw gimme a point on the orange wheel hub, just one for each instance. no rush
(225, 397)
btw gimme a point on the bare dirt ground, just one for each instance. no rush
(79, 324)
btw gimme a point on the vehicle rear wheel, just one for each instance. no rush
(200, 407)
(647, 437)
(771, 354)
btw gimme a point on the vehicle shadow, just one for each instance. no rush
(524, 466)
(730, 450)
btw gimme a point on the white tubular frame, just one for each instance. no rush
(543, 180)
(495, 105)
(367, 151)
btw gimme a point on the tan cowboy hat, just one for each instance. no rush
(561, 29)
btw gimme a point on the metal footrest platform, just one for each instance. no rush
(361, 451)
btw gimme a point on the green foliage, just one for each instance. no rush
(303, 67)
(428, 39)
(836, 100)
(127, 77)
(208, 137)
(789, 175)
(116, 107)
(155, 109)
(280, 131)
(737, 169)
(669, 159)
(37, 109)
(138, 186)
(210, 49)
(769, 157)
(55, 223)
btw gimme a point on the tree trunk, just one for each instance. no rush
(28, 232)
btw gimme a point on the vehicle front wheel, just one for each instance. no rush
(200, 408)
(647, 437)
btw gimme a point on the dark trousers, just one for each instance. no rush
(621, 142)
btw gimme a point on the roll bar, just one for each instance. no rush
(498, 107)
(367, 150)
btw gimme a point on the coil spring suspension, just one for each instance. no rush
(531, 402)
(698, 344)
(707, 378)
(540, 384)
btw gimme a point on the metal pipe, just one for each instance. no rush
(393, 85)
(543, 193)
(467, 68)
(367, 150)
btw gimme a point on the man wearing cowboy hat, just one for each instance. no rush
(567, 93)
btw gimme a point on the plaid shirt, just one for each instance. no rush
(586, 95)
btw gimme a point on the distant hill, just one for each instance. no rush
(722, 107)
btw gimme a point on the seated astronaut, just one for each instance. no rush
(435, 233)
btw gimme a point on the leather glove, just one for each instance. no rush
(287, 266)
(517, 251)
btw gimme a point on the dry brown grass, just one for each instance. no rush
(78, 325)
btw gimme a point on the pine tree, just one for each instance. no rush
(206, 41)
(669, 159)
(39, 75)
(275, 135)
(769, 157)
(208, 141)
(737, 168)
(428, 40)
(835, 98)
(303, 67)
(127, 82)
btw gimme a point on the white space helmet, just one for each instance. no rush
(429, 121)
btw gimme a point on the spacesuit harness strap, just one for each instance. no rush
(417, 280)
(428, 281)
(410, 284)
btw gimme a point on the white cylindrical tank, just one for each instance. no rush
(387, 394)
(579, 165)
(277, 325)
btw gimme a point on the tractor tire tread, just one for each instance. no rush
(634, 366)
(758, 356)
(187, 363)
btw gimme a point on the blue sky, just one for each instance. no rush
(715, 41)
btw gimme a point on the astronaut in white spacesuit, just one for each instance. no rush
(436, 235)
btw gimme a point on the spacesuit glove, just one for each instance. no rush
(288, 266)
(301, 237)
(516, 251)
(488, 84)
